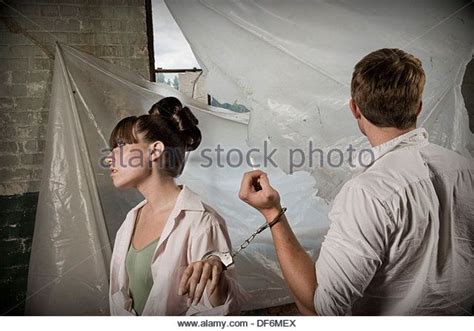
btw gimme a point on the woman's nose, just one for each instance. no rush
(109, 160)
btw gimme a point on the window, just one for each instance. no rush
(174, 61)
(173, 55)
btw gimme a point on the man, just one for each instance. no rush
(401, 240)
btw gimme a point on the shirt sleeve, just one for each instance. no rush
(352, 251)
(216, 237)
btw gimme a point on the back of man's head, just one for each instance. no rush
(387, 86)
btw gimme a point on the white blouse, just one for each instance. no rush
(191, 230)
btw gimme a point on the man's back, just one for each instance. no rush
(406, 226)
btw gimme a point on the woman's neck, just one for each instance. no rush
(159, 191)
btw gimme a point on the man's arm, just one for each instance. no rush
(352, 252)
(297, 266)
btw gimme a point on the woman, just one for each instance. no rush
(171, 228)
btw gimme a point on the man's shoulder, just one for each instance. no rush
(377, 182)
(441, 159)
(403, 167)
(388, 174)
(357, 188)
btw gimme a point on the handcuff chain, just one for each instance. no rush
(247, 242)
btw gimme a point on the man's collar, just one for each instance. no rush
(414, 137)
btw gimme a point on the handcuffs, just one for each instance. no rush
(227, 258)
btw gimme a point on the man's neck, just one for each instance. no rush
(378, 136)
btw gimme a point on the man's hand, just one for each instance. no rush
(266, 200)
(296, 265)
(197, 275)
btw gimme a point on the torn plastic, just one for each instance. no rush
(79, 209)
(291, 63)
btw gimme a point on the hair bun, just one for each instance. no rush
(182, 119)
(187, 123)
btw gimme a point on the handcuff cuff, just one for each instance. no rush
(227, 258)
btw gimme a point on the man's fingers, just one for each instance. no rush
(184, 280)
(248, 180)
(265, 183)
(206, 273)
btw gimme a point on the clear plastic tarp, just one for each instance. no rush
(291, 63)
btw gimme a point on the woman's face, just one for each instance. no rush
(130, 164)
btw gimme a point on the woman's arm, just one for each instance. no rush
(206, 273)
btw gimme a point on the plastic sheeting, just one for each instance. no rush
(79, 209)
(292, 65)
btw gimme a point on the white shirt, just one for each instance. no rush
(401, 240)
(191, 230)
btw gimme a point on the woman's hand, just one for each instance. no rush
(197, 275)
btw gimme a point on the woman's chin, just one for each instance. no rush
(122, 185)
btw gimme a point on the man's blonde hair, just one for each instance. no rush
(387, 86)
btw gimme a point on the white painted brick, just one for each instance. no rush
(110, 29)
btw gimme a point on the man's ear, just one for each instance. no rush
(354, 109)
(419, 109)
(156, 149)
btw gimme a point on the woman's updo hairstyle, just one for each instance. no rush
(182, 118)
(169, 122)
(176, 127)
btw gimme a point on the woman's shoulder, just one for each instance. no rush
(211, 215)
(129, 216)
(208, 215)
(211, 223)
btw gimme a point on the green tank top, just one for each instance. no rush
(140, 279)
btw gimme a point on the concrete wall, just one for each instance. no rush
(114, 30)
(190, 84)
(467, 90)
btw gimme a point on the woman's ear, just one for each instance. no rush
(156, 149)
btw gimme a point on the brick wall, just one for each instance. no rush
(114, 30)
(16, 231)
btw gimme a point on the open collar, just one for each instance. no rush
(186, 200)
(417, 137)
